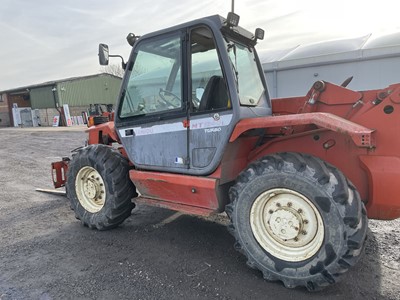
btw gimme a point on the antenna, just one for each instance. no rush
(233, 6)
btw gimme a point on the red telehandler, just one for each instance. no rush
(195, 131)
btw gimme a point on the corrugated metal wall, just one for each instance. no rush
(42, 97)
(367, 75)
(102, 89)
(372, 60)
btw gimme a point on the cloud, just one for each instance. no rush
(44, 40)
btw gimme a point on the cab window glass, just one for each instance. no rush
(155, 81)
(209, 90)
(248, 81)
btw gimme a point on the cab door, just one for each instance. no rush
(152, 112)
(211, 114)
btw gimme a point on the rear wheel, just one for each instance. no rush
(297, 219)
(99, 188)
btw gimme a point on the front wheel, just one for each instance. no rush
(297, 219)
(99, 188)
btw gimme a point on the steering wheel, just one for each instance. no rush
(175, 97)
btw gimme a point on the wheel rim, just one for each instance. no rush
(287, 224)
(90, 189)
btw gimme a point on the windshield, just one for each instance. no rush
(249, 84)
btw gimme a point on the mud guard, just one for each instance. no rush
(361, 136)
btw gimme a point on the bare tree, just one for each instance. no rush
(115, 70)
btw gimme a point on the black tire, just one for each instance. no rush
(97, 120)
(110, 202)
(336, 200)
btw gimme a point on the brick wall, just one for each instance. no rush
(4, 112)
(21, 100)
(5, 119)
(47, 114)
(77, 110)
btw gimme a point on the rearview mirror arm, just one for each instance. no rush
(123, 62)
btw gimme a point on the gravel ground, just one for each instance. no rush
(45, 253)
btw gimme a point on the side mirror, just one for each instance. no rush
(103, 54)
(259, 34)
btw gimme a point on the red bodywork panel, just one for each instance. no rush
(361, 135)
(366, 148)
(102, 134)
(190, 194)
(383, 176)
(357, 132)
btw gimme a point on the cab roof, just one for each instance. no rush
(215, 22)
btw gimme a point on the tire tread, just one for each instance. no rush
(120, 189)
(326, 175)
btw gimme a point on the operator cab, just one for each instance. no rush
(184, 90)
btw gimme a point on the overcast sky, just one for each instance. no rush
(46, 40)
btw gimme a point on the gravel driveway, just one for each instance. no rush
(45, 253)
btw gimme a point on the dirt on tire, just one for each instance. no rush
(113, 169)
(340, 210)
(45, 253)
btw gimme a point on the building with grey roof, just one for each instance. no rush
(372, 60)
(37, 104)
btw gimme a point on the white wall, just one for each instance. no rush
(368, 74)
